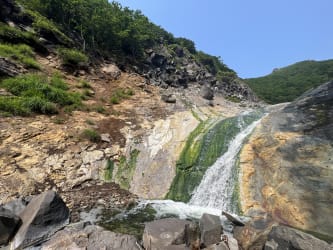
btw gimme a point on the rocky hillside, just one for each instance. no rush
(287, 163)
(102, 126)
(70, 120)
(288, 83)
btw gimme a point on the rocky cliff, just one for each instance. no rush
(287, 164)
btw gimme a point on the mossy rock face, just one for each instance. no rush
(126, 168)
(129, 222)
(202, 149)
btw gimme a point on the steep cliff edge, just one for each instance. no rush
(287, 164)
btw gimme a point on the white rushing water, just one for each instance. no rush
(216, 187)
(213, 193)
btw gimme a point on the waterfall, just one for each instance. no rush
(214, 193)
(217, 186)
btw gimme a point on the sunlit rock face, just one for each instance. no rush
(287, 164)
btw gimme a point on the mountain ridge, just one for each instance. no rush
(287, 83)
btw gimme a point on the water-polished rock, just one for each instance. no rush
(287, 164)
(9, 223)
(282, 237)
(167, 233)
(211, 229)
(89, 237)
(45, 214)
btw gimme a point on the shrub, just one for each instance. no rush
(57, 82)
(16, 36)
(44, 26)
(91, 135)
(121, 94)
(85, 85)
(115, 100)
(72, 57)
(36, 93)
(21, 53)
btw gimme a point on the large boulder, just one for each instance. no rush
(168, 233)
(211, 229)
(282, 237)
(9, 223)
(45, 214)
(111, 70)
(254, 234)
(89, 237)
(207, 92)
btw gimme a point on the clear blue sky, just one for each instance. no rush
(252, 36)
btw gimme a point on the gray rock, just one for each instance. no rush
(219, 246)
(282, 238)
(192, 234)
(112, 71)
(207, 92)
(211, 229)
(233, 219)
(10, 68)
(18, 205)
(44, 215)
(9, 223)
(169, 98)
(165, 233)
(91, 237)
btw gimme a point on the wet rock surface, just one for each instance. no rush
(287, 165)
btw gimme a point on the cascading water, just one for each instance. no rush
(217, 186)
(214, 193)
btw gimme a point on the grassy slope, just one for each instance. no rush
(286, 84)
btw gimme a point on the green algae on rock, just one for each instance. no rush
(205, 144)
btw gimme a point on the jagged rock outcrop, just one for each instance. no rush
(287, 165)
(44, 215)
(10, 68)
(176, 67)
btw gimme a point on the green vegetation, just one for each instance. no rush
(126, 169)
(45, 27)
(233, 99)
(91, 134)
(204, 145)
(72, 57)
(286, 84)
(131, 222)
(108, 170)
(16, 36)
(21, 53)
(213, 63)
(111, 29)
(84, 84)
(34, 93)
(121, 94)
